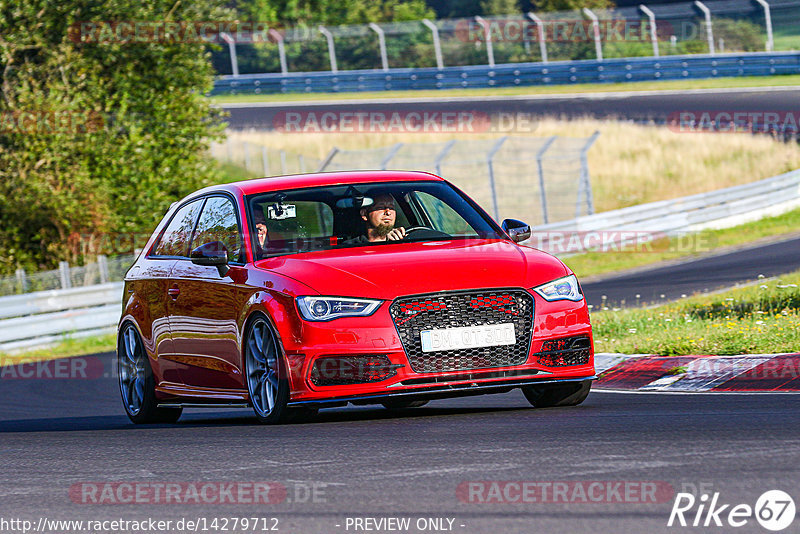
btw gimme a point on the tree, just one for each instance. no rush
(333, 12)
(97, 138)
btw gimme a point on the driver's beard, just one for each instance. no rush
(383, 229)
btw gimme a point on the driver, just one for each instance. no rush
(379, 219)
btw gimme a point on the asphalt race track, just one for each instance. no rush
(58, 434)
(696, 276)
(646, 106)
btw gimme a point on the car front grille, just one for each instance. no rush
(414, 314)
(565, 352)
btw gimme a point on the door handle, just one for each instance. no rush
(173, 292)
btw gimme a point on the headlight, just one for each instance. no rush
(328, 308)
(566, 288)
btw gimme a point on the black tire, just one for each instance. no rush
(551, 395)
(136, 382)
(403, 404)
(264, 373)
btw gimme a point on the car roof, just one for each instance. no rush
(297, 181)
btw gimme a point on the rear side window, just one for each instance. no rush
(175, 239)
(218, 222)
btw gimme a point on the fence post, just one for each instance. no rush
(585, 179)
(328, 159)
(492, 185)
(709, 31)
(232, 50)
(392, 152)
(598, 44)
(265, 160)
(301, 162)
(487, 35)
(229, 148)
(381, 44)
(246, 148)
(768, 20)
(540, 168)
(653, 34)
(275, 34)
(437, 162)
(283, 162)
(22, 280)
(437, 45)
(102, 265)
(63, 272)
(540, 27)
(281, 50)
(331, 48)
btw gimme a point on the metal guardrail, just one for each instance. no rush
(44, 317)
(718, 209)
(517, 74)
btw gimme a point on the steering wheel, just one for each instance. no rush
(416, 228)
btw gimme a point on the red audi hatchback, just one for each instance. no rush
(295, 293)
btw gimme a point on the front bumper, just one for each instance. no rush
(440, 391)
(377, 335)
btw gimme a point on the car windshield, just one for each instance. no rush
(344, 216)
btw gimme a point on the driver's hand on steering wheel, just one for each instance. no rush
(396, 234)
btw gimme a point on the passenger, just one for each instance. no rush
(262, 234)
(379, 218)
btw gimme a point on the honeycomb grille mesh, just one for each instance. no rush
(412, 315)
(565, 352)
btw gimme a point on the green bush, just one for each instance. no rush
(135, 140)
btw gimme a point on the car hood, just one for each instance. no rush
(387, 271)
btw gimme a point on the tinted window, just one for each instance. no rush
(301, 219)
(175, 239)
(218, 222)
(319, 218)
(442, 216)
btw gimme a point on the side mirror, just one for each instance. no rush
(518, 231)
(213, 254)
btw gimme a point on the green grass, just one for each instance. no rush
(234, 173)
(711, 83)
(67, 348)
(684, 247)
(762, 318)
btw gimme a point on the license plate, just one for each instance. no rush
(468, 337)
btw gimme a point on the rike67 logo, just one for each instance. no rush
(774, 510)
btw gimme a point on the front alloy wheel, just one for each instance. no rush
(136, 383)
(268, 390)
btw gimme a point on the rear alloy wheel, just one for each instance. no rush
(550, 395)
(136, 382)
(399, 404)
(268, 390)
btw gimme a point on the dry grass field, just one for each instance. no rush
(630, 164)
